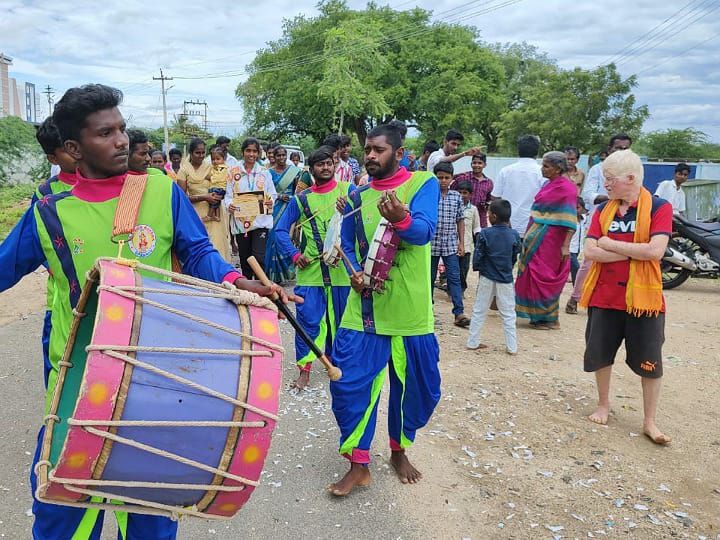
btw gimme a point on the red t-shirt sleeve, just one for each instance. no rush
(594, 231)
(661, 222)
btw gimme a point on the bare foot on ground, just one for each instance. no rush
(600, 416)
(357, 476)
(404, 469)
(653, 433)
(302, 381)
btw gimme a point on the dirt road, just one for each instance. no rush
(509, 452)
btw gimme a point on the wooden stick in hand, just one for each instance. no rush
(347, 262)
(334, 372)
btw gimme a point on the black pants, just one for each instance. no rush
(464, 269)
(252, 243)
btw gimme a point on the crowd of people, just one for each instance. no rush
(363, 249)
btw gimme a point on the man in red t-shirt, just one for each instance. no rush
(624, 296)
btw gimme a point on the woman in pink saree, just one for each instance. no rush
(544, 266)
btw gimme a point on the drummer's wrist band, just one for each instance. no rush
(403, 223)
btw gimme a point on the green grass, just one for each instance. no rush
(14, 200)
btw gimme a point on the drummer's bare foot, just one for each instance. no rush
(302, 380)
(404, 469)
(357, 476)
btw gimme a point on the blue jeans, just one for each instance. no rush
(452, 272)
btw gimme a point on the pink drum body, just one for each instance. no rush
(100, 388)
(381, 254)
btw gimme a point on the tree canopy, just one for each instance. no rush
(369, 67)
(677, 144)
(349, 70)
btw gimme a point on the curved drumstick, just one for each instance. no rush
(334, 372)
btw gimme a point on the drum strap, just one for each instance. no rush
(319, 242)
(128, 206)
(128, 210)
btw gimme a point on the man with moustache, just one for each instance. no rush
(389, 332)
(93, 133)
(325, 288)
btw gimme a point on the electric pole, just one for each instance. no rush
(50, 94)
(195, 113)
(162, 78)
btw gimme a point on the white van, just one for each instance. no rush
(290, 149)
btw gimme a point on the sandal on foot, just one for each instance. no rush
(463, 321)
(571, 307)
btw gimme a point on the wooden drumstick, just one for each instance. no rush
(334, 372)
(347, 262)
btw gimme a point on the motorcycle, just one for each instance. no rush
(693, 251)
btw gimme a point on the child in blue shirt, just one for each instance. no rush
(496, 251)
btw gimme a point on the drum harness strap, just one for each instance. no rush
(302, 197)
(127, 212)
(128, 209)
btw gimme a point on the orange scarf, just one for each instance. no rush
(643, 293)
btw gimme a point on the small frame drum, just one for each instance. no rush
(167, 395)
(331, 255)
(381, 254)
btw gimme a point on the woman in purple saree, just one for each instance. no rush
(544, 266)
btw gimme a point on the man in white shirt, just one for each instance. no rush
(520, 182)
(671, 190)
(343, 171)
(449, 150)
(594, 193)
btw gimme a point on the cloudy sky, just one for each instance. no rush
(671, 46)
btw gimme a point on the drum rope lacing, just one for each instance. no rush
(193, 318)
(187, 382)
(227, 291)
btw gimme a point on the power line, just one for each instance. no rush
(667, 28)
(319, 56)
(667, 59)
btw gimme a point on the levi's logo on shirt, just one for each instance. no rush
(622, 226)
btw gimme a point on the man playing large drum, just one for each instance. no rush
(325, 288)
(389, 329)
(71, 229)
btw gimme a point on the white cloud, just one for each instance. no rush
(124, 43)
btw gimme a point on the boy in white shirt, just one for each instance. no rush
(472, 228)
(671, 190)
(578, 238)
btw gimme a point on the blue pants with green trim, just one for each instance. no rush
(56, 522)
(320, 316)
(364, 358)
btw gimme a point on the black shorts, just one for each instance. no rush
(644, 336)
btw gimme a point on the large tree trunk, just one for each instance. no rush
(359, 127)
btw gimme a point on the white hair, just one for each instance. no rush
(624, 163)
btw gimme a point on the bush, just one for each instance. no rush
(22, 161)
